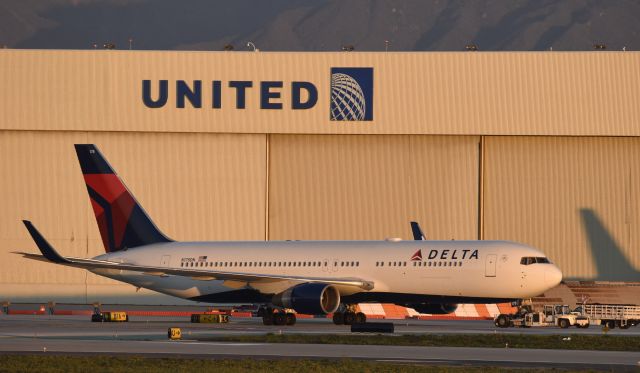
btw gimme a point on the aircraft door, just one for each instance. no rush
(164, 262)
(490, 266)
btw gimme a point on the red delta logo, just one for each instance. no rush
(417, 255)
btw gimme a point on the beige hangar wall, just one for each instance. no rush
(537, 147)
(575, 198)
(195, 187)
(369, 187)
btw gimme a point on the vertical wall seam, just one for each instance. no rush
(266, 197)
(481, 188)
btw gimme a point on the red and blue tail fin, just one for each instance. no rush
(123, 223)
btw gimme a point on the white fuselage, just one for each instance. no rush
(465, 269)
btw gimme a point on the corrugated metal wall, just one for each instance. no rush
(429, 155)
(574, 198)
(456, 93)
(370, 187)
(195, 186)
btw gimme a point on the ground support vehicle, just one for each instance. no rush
(612, 315)
(112, 316)
(209, 318)
(551, 315)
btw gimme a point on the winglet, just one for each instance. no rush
(417, 232)
(45, 248)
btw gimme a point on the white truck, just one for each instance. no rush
(621, 316)
(551, 315)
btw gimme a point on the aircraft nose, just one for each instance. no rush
(552, 276)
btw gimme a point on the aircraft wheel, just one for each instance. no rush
(349, 318)
(291, 319)
(338, 318)
(361, 318)
(280, 318)
(267, 319)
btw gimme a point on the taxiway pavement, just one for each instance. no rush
(147, 336)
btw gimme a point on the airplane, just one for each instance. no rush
(307, 277)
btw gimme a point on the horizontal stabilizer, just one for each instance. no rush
(45, 248)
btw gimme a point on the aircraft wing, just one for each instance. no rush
(50, 254)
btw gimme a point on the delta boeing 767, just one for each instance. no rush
(309, 277)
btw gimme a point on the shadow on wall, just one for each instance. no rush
(610, 262)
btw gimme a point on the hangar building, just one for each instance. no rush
(536, 147)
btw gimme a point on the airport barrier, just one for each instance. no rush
(374, 311)
(373, 327)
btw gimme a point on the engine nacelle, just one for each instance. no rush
(434, 308)
(310, 298)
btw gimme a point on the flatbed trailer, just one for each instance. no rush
(621, 316)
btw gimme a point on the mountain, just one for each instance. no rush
(322, 25)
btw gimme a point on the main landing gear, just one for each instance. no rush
(348, 315)
(274, 316)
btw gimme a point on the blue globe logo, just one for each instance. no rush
(347, 99)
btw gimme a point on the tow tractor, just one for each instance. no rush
(609, 315)
(551, 315)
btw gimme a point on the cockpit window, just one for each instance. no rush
(533, 259)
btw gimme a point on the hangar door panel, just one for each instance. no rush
(194, 187)
(371, 187)
(574, 198)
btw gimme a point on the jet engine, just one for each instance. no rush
(434, 308)
(310, 298)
